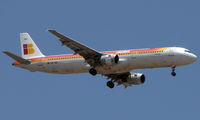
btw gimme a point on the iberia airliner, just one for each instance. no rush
(115, 65)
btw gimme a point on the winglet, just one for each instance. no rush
(51, 31)
(17, 58)
(57, 34)
(47, 30)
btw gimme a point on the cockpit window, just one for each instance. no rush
(187, 51)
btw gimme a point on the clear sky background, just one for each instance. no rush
(102, 25)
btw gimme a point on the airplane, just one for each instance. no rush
(115, 65)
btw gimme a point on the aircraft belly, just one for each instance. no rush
(40, 66)
(149, 61)
(67, 67)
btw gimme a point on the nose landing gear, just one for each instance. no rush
(110, 84)
(173, 73)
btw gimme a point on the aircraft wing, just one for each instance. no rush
(119, 78)
(91, 56)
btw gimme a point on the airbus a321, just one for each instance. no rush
(115, 65)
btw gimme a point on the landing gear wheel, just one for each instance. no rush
(92, 71)
(173, 74)
(173, 71)
(110, 84)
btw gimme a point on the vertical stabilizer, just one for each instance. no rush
(28, 47)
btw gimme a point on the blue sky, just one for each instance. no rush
(102, 25)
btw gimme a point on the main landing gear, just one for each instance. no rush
(173, 73)
(92, 71)
(110, 84)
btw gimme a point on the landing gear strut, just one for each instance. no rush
(173, 71)
(92, 71)
(110, 84)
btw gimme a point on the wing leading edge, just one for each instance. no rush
(90, 55)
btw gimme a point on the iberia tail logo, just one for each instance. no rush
(28, 49)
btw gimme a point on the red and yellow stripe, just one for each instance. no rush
(77, 56)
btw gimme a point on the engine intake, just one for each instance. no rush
(136, 78)
(109, 59)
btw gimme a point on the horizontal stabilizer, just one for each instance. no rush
(17, 58)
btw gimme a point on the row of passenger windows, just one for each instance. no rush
(140, 52)
(62, 58)
(149, 52)
(118, 54)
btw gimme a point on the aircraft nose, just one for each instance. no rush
(193, 57)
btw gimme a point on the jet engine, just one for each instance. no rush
(136, 78)
(109, 59)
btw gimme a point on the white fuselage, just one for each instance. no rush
(172, 56)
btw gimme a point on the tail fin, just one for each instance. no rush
(28, 47)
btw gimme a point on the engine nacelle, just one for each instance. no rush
(136, 78)
(109, 59)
